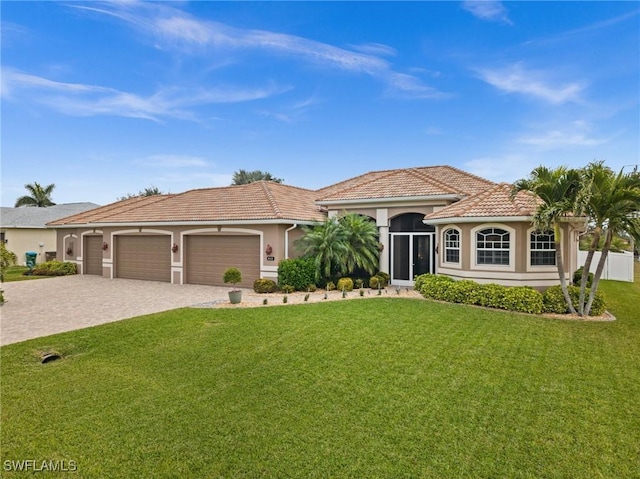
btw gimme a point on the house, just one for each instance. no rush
(435, 219)
(24, 229)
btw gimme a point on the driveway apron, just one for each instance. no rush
(47, 306)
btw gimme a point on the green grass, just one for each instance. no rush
(383, 387)
(16, 273)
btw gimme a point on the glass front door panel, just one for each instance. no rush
(421, 255)
(400, 257)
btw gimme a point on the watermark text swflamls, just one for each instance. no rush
(34, 465)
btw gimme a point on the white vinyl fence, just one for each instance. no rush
(618, 266)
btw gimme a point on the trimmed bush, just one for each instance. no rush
(287, 288)
(345, 284)
(265, 285)
(491, 295)
(55, 268)
(464, 292)
(522, 299)
(384, 277)
(435, 287)
(419, 280)
(297, 272)
(577, 278)
(330, 286)
(554, 302)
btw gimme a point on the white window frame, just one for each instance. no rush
(450, 264)
(532, 267)
(512, 248)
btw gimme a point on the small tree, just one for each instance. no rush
(233, 276)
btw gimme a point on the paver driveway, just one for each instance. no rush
(53, 305)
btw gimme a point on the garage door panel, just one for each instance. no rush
(92, 255)
(143, 257)
(208, 256)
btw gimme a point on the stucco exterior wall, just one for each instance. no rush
(21, 240)
(275, 243)
(519, 272)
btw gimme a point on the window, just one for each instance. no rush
(542, 248)
(492, 246)
(451, 246)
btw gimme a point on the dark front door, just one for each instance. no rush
(411, 255)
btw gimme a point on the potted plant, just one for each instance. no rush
(233, 276)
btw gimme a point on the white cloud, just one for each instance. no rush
(487, 10)
(90, 100)
(172, 28)
(517, 79)
(574, 134)
(501, 168)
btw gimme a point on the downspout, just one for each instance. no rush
(286, 240)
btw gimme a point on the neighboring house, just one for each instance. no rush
(431, 220)
(24, 229)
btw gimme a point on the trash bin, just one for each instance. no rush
(31, 259)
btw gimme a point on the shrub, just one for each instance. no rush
(265, 285)
(287, 288)
(297, 272)
(435, 287)
(384, 277)
(330, 286)
(461, 292)
(374, 282)
(358, 283)
(522, 299)
(491, 295)
(55, 268)
(312, 288)
(554, 302)
(345, 284)
(577, 278)
(419, 281)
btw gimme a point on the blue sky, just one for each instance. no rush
(107, 98)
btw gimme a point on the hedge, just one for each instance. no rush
(522, 299)
(299, 273)
(55, 268)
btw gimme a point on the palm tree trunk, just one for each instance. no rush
(596, 276)
(586, 268)
(557, 236)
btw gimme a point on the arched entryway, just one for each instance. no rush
(412, 248)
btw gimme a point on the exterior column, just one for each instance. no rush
(382, 222)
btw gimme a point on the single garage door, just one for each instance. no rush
(208, 257)
(92, 255)
(144, 257)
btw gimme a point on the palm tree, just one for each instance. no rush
(327, 244)
(243, 177)
(39, 197)
(558, 189)
(362, 243)
(612, 203)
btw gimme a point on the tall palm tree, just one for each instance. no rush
(612, 202)
(39, 197)
(362, 242)
(243, 177)
(558, 189)
(326, 243)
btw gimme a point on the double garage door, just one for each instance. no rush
(149, 258)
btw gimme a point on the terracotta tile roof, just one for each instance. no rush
(491, 203)
(262, 200)
(406, 182)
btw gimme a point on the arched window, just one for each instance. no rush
(452, 246)
(492, 246)
(542, 248)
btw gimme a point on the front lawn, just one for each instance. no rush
(382, 387)
(17, 273)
